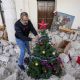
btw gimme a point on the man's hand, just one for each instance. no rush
(37, 37)
(34, 40)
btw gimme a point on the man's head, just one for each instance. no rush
(24, 18)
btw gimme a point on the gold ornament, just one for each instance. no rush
(45, 70)
(43, 52)
(53, 53)
(36, 64)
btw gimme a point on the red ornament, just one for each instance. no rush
(78, 60)
(42, 25)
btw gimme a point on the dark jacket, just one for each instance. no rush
(22, 31)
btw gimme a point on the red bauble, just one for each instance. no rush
(78, 60)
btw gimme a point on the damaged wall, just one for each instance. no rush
(12, 11)
(66, 6)
(28, 6)
(71, 7)
(8, 6)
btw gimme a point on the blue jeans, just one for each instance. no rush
(22, 45)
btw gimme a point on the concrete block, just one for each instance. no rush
(68, 77)
(11, 77)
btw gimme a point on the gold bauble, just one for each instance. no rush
(43, 52)
(36, 64)
(53, 53)
(45, 71)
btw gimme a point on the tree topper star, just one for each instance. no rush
(42, 25)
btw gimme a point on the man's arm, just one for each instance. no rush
(33, 29)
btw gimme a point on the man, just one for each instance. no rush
(22, 29)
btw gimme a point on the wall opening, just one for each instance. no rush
(45, 11)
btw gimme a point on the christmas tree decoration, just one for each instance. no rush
(44, 62)
(45, 71)
(36, 64)
(53, 53)
(42, 25)
(43, 52)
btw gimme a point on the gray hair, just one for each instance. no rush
(23, 14)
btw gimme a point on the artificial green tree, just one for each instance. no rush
(45, 61)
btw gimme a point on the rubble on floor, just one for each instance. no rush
(9, 53)
(8, 58)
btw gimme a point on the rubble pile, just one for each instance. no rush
(9, 53)
(71, 68)
(8, 56)
(9, 70)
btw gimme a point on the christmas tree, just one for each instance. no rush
(45, 61)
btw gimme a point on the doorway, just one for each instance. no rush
(45, 11)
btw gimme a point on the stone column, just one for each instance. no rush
(9, 9)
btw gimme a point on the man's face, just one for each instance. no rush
(24, 20)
